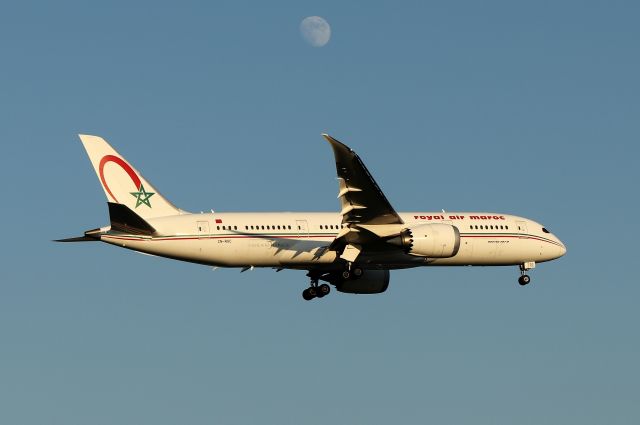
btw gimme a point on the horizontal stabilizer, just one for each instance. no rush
(92, 235)
(78, 239)
(124, 220)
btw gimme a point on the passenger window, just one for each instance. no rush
(218, 227)
(235, 227)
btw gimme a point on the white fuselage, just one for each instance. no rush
(300, 240)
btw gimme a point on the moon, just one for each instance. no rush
(315, 30)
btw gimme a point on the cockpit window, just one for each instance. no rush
(545, 230)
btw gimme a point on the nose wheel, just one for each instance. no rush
(524, 278)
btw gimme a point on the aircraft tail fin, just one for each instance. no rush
(122, 183)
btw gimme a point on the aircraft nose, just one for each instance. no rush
(562, 250)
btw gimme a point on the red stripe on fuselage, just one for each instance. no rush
(133, 238)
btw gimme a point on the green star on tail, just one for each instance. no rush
(142, 196)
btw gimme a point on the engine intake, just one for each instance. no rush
(434, 240)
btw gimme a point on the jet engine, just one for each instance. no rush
(434, 240)
(371, 282)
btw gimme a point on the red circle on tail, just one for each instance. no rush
(126, 167)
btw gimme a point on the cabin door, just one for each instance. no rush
(303, 228)
(203, 229)
(522, 226)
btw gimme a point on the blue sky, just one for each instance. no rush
(528, 108)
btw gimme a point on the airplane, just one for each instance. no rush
(353, 249)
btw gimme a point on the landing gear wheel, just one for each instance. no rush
(357, 272)
(309, 294)
(524, 280)
(323, 290)
(346, 274)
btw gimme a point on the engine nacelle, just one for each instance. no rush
(434, 240)
(371, 282)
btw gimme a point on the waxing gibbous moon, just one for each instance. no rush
(315, 30)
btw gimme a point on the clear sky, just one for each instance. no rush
(529, 108)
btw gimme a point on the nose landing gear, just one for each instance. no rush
(524, 278)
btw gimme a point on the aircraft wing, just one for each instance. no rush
(362, 200)
(368, 217)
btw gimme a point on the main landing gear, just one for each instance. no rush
(315, 290)
(524, 278)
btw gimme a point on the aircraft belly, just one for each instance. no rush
(240, 252)
(488, 252)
